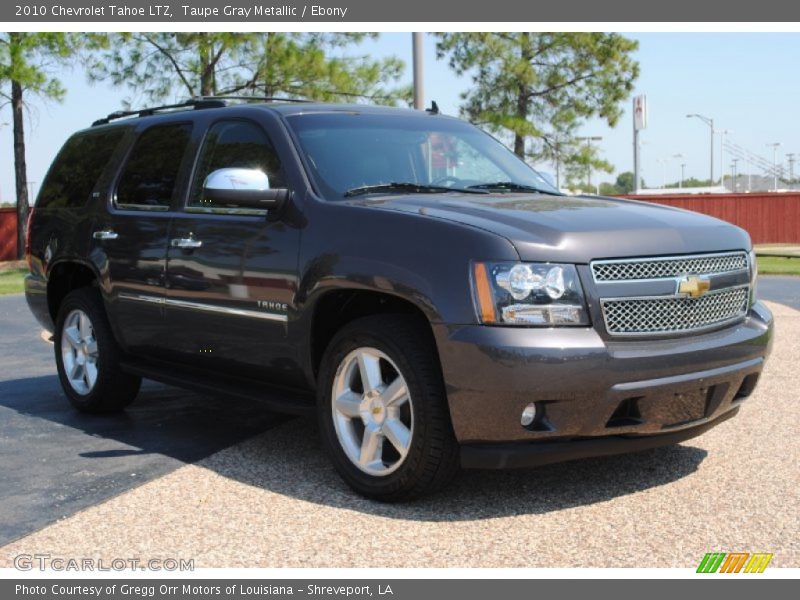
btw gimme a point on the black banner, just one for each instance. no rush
(353, 11)
(393, 589)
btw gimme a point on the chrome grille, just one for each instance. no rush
(651, 315)
(665, 268)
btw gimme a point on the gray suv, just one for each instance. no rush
(402, 275)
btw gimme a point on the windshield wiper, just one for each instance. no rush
(416, 188)
(513, 187)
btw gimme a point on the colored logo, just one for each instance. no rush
(734, 562)
(694, 286)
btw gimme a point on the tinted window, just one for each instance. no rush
(76, 169)
(236, 144)
(152, 170)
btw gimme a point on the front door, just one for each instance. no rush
(231, 273)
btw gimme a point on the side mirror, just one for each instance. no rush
(242, 188)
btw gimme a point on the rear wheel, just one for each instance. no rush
(87, 356)
(383, 410)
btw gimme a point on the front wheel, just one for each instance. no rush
(383, 410)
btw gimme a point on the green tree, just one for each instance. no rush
(28, 62)
(608, 189)
(306, 65)
(694, 182)
(625, 183)
(540, 88)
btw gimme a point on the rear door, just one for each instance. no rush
(132, 236)
(231, 273)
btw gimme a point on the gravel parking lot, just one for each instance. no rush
(273, 500)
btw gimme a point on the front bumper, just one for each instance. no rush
(516, 456)
(600, 396)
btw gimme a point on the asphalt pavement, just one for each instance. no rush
(783, 289)
(227, 483)
(55, 461)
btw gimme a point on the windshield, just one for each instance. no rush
(353, 153)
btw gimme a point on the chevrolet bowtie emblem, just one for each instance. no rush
(694, 286)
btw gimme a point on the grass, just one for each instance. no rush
(11, 281)
(776, 265)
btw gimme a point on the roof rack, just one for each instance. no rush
(196, 103)
(254, 98)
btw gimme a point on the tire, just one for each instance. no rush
(400, 350)
(83, 340)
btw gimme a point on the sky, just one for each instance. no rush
(746, 82)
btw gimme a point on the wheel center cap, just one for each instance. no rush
(377, 411)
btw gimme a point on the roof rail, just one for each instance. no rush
(254, 98)
(196, 103)
(193, 103)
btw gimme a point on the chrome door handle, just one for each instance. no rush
(105, 234)
(185, 243)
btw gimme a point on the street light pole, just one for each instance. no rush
(710, 123)
(679, 157)
(734, 172)
(790, 157)
(683, 175)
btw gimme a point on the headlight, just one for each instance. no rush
(534, 294)
(753, 276)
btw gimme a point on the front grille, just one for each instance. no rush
(662, 315)
(665, 268)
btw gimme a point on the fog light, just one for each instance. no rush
(528, 415)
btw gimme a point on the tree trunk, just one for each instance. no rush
(519, 146)
(522, 94)
(20, 168)
(269, 92)
(208, 85)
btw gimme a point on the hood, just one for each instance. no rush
(575, 229)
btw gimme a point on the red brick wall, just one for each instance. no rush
(769, 218)
(8, 234)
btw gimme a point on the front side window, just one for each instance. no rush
(236, 144)
(151, 173)
(348, 153)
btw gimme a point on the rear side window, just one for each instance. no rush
(76, 169)
(150, 175)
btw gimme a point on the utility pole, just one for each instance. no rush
(734, 185)
(710, 123)
(722, 133)
(790, 157)
(417, 55)
(774, 146)
(589, 140)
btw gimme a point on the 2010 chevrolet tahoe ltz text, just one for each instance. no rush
(399, 273)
